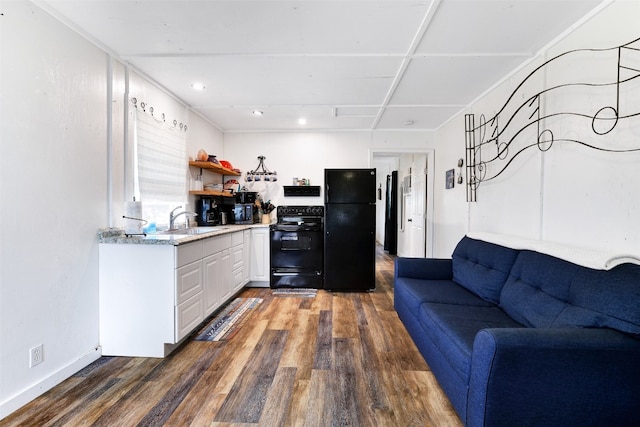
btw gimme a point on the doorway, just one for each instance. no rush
(415, 204)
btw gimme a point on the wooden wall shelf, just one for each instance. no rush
(214, 167)
(212, 193)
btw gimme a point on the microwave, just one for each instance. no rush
(243, 213)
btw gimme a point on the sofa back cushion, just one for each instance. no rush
(482, 267)
(544, 291)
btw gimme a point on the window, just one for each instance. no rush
(160, 169)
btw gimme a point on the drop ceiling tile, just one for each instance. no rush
(190, 27)
(282, 118)
(450, 79)
(421, 118)
(242, 80)
(500, 26)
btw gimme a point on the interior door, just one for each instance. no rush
(416, 217)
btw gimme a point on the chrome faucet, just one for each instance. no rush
(172, 217)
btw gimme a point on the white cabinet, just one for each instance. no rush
(152, 296)
(246, 252)
(189, 309)
(216, 268)
(238, 260)
(259, 257)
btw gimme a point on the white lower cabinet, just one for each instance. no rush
(189, 314)
(189, 298)
(213, 291)
(237, 259)
(246, 256)
(259, 257)
(153, 296)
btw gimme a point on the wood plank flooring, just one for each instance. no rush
(339, 359)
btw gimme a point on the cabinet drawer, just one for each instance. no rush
(237, 238)
(216, 244)
(188, 253)
(188, 281)
(189, 314)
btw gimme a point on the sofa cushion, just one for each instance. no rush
(537, 289)
(482, 267)
(544, 291)
(414, 292)
(609, 299)
(454, 327)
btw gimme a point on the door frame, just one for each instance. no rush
(430, 152)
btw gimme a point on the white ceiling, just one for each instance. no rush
(343, 65)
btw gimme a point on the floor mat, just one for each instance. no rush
(228, 321)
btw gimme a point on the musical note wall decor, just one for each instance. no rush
(578, 93)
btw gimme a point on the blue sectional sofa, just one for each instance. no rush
(520, 338)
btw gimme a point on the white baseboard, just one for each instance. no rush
(19, 400)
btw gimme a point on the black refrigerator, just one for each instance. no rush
(350, 229)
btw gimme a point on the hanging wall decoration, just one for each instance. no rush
(576, 94)
(261, 173)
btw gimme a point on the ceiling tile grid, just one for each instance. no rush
(342, 65)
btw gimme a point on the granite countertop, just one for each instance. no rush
(117, 235)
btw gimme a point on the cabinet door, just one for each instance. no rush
(189, 314)
(237, 257)
(213, 282)
(188, 281)
(259, 256)
(246, 256)
(226, 275)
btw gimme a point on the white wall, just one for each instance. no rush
(570, 193)
(306, 155)
(52, 198)
(61, 180)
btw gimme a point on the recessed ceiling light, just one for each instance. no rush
(257, 113)
(302, 121)
(198, 86)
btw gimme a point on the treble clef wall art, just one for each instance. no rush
(591, 98)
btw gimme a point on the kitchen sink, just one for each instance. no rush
(192, 231)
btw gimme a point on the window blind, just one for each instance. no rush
(161, 161)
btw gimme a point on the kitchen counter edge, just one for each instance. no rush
(117, 236)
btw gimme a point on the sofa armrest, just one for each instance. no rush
(568, 376)
(423, 268)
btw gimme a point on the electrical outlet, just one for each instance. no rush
(36, 356)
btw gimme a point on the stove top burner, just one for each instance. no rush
(301, 211)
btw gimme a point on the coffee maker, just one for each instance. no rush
(208, 212)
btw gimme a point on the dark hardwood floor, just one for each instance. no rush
(339, 359)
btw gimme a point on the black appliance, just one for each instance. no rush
(350, 228)
(209, 209)
(297, 247)
(391, 214)
(243, 213)
(246, 197)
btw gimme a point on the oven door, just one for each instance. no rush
(296, 247)
(296, 256)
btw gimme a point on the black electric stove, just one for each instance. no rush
(297, 247)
